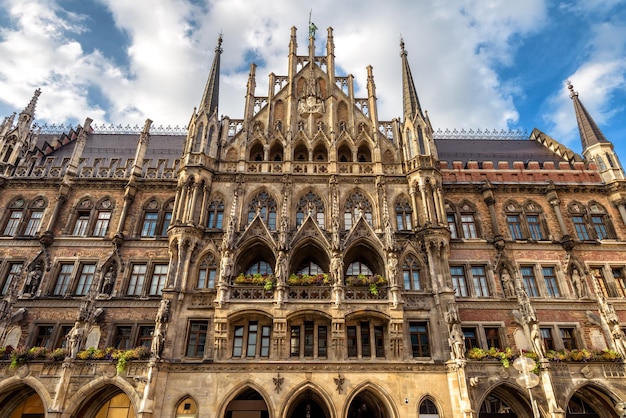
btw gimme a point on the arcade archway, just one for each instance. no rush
(308, 405)
(22, 402)
(248, 404)
(109, 402)
(505, 402)
(366, 405)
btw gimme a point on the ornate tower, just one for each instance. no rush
(16, 140)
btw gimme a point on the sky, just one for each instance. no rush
(477, 64)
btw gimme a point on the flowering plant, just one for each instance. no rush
(308, 280)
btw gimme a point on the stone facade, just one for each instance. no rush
(308, 260)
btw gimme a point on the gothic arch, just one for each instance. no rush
(373, 394)
(511, 395)
(231, 154)
(246, 389)
(193, 406)
(309, 249)
(300, 151)
(320, 152)
(101, 389)
(309, 312)
(252, 251)
(256, 151)
(277, 152)
(356, 253)
(247, 313)
(364, 152)
(601, 399)
(431, 398)
(308, 391)
(14, 391)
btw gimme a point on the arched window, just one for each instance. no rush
(103, 218)
(90, 220)
(15, 213)
(357, 206)
(310, 268)
(600, 222)
(420, 141)
(411, 274)
(265, 206)
(187, 408)
(409, 143)
(428, 409)
(197, 143)
(404, 214)
(207, 273)
(24, 219)
(358, 268)
(310, 205)
(344, 154)
(256, 152)
(260, 267)
(118, 406)
(462, 221)
(216, 214)
(364, 155)
(150, 219)
(525, 222)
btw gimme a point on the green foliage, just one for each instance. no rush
(308, 280)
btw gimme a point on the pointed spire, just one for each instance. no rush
(30, 109)
(412, 106)
(590, 133)
(210, 98)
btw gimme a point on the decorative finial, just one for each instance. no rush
(312, 27)
(218, 48)
(570, 86)
(402, 50)
(30, 109)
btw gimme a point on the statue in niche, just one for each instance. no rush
(33, 279)
(579, 285)
(163, 314)
(108, 280)
(507, 283)
(156, 347)
(537, 341)
(457, 342)
(75, 338)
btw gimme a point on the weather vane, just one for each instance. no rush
(312, 27)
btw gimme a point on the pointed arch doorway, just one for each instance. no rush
(366, 405)
(248, 404)
(308, 405)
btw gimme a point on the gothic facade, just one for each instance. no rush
(310, 260)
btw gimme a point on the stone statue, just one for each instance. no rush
(336, 267)
(281, 267)
(535, 338)
(457, 342)
(109, 280)
(392, 267)
(75, 339)
(507, 284)
(452, 315)
(579, 286)
(33, 279)
(607, 310)
(163, 314)
(226, 266)
(618, 339)
(156, 347)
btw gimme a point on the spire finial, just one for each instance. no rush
(312, 27)
(402, 50)
(572, 93)
(30, 109)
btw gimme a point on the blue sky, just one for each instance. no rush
(477, 64)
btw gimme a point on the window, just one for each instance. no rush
(567, 338)
(144, 338)
(167, 218)
(530, 282)
(310, 205)
(260, 267)
(492, 335)
(428, 409)
(252, 339)
(534, 227)
(85, 279)
(620, 280)
(418, 332)
(32, 227)
(525, 222)
(122, 337)
(357, 206)
(12, 274)
(15, 216)
(411, 274)
(598, 275)
(581, 228)
(149, 224)
(43, 338)
(452, 226)
(84, 224)
(468, 225)
(137, 278)
(80, 227)
(366, 339)
(63, 279)
(310, 268)
(404, 214)
(515, 226)
(159, 276)
(357, 267)
(479, 279)
(548, 340)
(309, 339)
(207, 272)
(471, 338)
(552, 285)
(458, 281)
(61, 339)
(264, 206)
(216, 214)
(599, 226)
(102, 223)
(196, 340)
